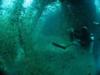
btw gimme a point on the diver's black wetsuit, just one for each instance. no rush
(83, 35)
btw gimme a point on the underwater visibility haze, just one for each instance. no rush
(49, 37)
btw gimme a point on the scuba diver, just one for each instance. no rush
(82, 35)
